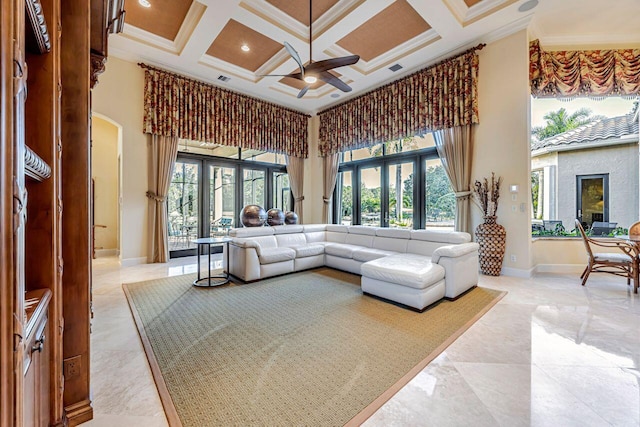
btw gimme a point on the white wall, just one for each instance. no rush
(104, 172)
(119, 96)
(502, 141)
(313, 177)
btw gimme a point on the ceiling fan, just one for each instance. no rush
(315, 71)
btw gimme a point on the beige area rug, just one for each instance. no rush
(302, 349)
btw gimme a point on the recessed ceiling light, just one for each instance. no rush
(310, 79)
(528, 5)
(144, 3)
(245, 48)
(335, 95)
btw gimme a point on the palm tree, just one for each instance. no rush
(560, 121)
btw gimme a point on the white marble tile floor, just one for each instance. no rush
(550, 353)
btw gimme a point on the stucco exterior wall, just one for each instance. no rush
(620, 162)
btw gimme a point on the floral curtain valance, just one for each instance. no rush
(594, 73)
(175, 105)
(438, 97)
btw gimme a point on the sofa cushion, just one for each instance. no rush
(396, 233)
(315, 236)
(335, 236)
(441, 236)
(361, 229)
(389, 244)
(338, 228)
(251, 231)
(342, 250)
(359, 240)
(288, 240)
(287, 229)
(303, 251)
(311, 228)
(369, 254)
(415, 271)
(271, 255)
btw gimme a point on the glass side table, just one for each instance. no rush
(212, 280)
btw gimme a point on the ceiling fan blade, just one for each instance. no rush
(329, 78)
(303, 91)
(292, 75)
(295, 56)
(329, 64)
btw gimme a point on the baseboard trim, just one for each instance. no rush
(517, 272)
(79, 412)
(559, 268)
(100, 253)
(130, 262)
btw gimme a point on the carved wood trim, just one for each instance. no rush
(98, 63)
(34, 166)
(38, 25)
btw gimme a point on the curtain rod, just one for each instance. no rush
(181, 76)
(444, 61)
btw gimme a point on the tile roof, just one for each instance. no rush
(610, 128)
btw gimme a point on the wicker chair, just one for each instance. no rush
(623, 262)
(634, 229)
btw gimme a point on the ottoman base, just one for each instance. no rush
(417, 299)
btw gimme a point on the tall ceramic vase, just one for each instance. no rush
(492, 240)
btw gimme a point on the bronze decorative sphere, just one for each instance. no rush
(253, 216)
(275, 217)
(291, 218)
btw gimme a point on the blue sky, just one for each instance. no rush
(609, 107)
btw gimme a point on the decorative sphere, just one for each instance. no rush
(253, 216)
(275, 217)
(291, 218)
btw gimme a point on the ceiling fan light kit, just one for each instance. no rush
(315, 71)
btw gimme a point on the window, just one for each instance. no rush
(399, 184)
(584, 163)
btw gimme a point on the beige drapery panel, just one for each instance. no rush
(176, 105)
(162, 158)
(295, 169)
(438, 97)
(330, 167)
(455, 148)
(593, 73)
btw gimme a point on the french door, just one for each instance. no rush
(386, 194)
(207, 194)
(407, 190)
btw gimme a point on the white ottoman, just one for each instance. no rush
(408, 279)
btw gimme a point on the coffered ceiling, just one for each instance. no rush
(203, 39)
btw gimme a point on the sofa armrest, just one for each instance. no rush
(247, 243)
(453, 251)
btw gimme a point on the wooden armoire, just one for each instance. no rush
(50, 54)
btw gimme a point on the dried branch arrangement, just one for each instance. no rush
(486, 195)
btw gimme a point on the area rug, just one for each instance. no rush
(302, 349)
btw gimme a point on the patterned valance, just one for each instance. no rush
(175, 105)
(438, 97)
(594, 73)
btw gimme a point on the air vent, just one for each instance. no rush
(395, 68)
(223, 78)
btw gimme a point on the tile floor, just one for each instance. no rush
(550, 353)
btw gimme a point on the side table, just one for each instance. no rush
(210, 280)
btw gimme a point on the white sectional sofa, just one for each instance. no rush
(412, 267)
